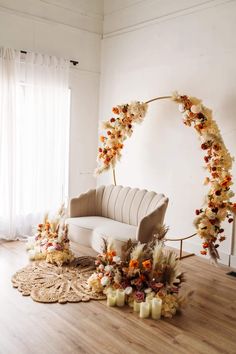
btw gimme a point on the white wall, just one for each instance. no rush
(151, 48)
(69, 29)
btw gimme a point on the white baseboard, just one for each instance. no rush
(233, 261)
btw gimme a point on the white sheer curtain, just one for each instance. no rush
(34, 126)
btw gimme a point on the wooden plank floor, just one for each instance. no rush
(208, 325)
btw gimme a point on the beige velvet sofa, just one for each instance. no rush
(115, 212)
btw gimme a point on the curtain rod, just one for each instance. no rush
(74, 62)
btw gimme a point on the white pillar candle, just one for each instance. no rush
(136, 306)
(37, 249)
(149, 300)
(120, 297)
(30, 242)
(111, 299)
(144, 310)
(31, 254)
(156, 308)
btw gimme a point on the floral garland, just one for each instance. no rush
(218, 164)
(217, 158)
(51, 241)
(117, 131)
(143, 272)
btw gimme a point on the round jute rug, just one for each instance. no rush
(48, 283)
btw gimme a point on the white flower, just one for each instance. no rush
(210, 214)
(181, 107)
(128, 290)
(108, 268)
(94, 283)
(137, 109)
(101, 267)
(51, 249)
(116, 259)
(175, 96)
(196, 108)
(105, 281)
(148, 290)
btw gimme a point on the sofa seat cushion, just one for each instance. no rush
(89, 222)
(90, 230)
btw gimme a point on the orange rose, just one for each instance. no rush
(204, 253)
(147, 264)
(111, 254)
(133, 263)
(115, 110)
(205, 245)
(102, 138)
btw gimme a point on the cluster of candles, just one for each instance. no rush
(150, 307)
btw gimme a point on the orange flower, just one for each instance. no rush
(111, 253)
(233, 208)
(102, 138)
(226, 181)
(215, 175)
(204, 253)
(133, 263)
(147, 264)
(47, 226)
(115, 110)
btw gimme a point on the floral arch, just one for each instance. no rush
(217, 159)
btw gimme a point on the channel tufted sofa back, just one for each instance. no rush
(124, 204)
(115, 211)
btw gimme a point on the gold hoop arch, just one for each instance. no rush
(217, 158)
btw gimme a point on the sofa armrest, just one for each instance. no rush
(149, 225)
(83, 205)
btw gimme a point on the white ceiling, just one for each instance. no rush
(103, 17)
(83, 14)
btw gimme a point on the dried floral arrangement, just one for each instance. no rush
(143, 271)
(217, 206)
(118, 129)
(51, 241)
(218, 163)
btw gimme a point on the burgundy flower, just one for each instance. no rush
(58, 247)
(139, 296)
(156, 286)
(124, 284)
(174, 289)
